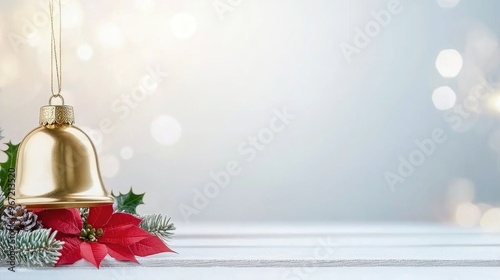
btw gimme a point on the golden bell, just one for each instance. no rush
(57, 165)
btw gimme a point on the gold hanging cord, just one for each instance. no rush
(54, 61)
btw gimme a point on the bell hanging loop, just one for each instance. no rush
(58, 95)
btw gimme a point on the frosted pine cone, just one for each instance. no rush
(18, 218)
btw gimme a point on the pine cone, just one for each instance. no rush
(18, 218)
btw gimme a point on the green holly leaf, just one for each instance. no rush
(127, 202)
(11, 153)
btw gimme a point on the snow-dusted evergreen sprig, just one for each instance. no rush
(35, 248)
(158, 225)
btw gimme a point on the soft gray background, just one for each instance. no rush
(227, 75)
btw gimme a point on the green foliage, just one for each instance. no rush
(127, 202)
(11, 153)
(158, 225)
(35, 248)
(40, 247)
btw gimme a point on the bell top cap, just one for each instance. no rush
(57, 114)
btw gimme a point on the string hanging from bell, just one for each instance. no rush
(57, 164)
(54, 60)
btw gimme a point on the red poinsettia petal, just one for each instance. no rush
(93, 252)
(70, 253)
(66, 221)
(122, 219)
(125, 235)
(121, 253)
(77, 216)
(150, 246)
(99, 216)
(61, 236)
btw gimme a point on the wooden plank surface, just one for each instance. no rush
(305, 252)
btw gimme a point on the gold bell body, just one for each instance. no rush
(57, 165)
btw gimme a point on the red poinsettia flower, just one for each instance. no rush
(105, 232)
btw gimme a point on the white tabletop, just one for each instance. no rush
(304, 252)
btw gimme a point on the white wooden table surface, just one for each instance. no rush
(303, 252)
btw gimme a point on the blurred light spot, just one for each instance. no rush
(494, 103)
(444, 98)
(85, 52)
(111, 36)
(183, 25)
(461, 191)
(166, 130)
(491, 220)
(449, 62)
(110, 166)
(447, 4)
(127, 152)
(467, 215)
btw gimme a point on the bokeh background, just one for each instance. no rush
(322, 110)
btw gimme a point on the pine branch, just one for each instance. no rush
(36, 248)
(158, 225)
